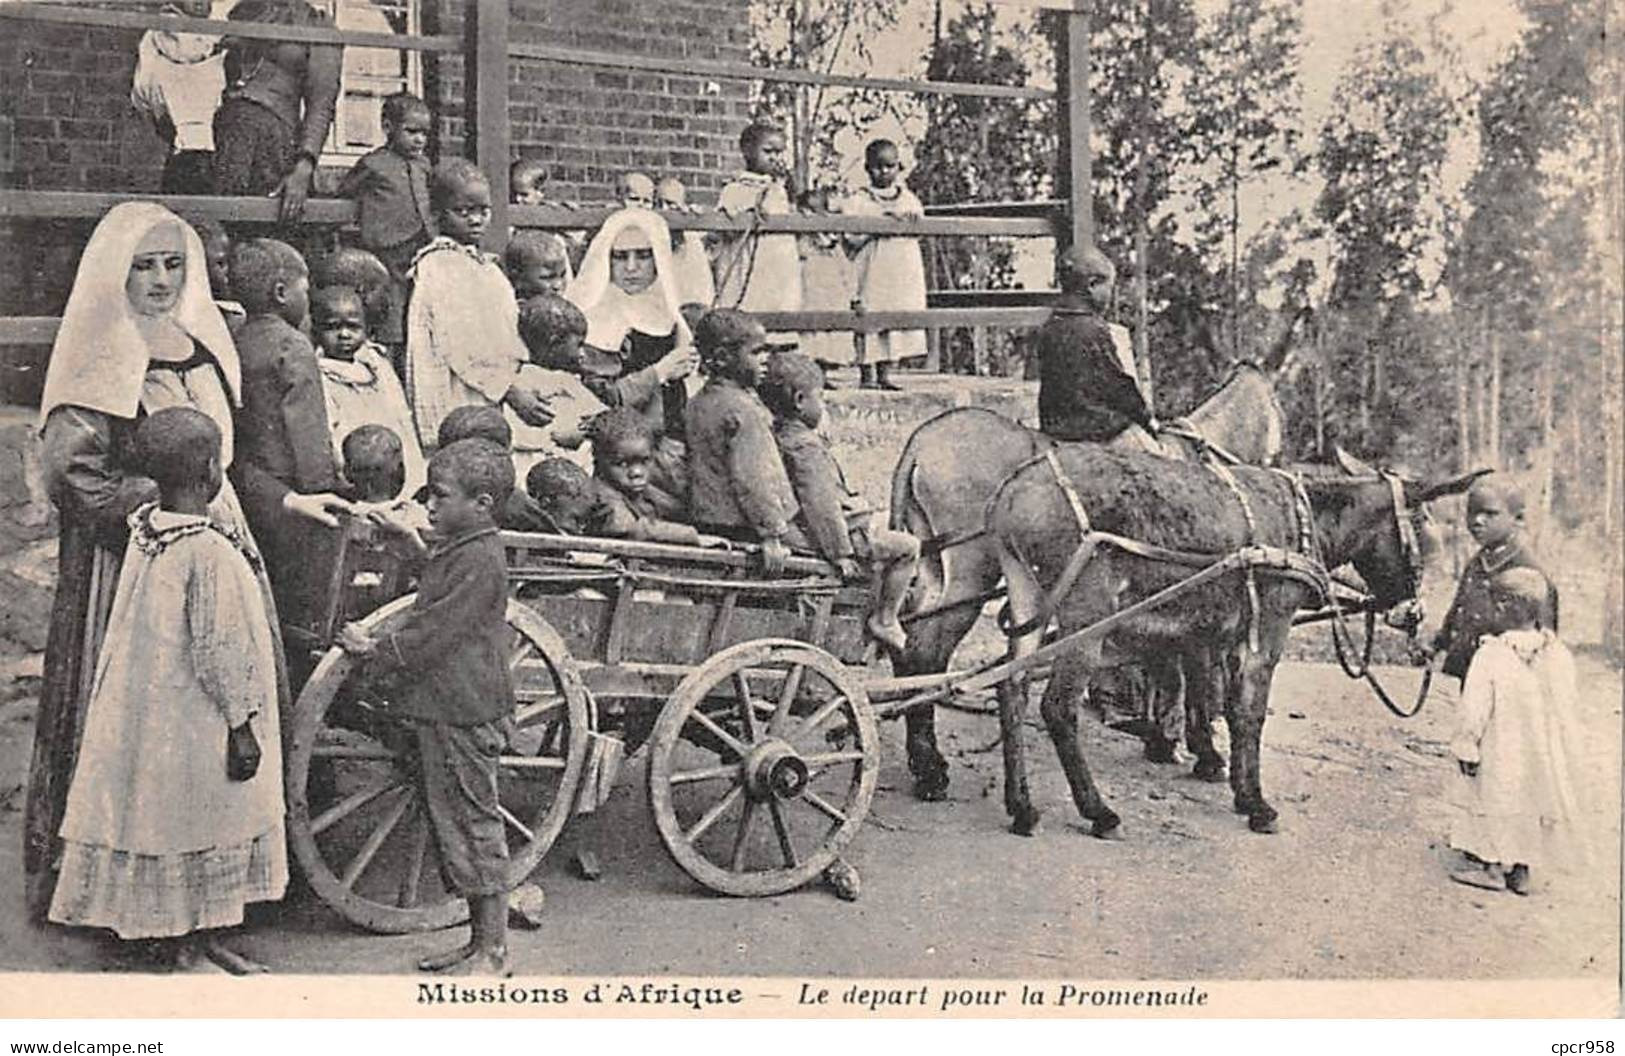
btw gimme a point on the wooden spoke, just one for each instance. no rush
(414, 862)
(747, 707)
(710, 773)
(369, 849)
(709, 818)
(787, 697)
(823, 806)
(741, 835)
(529, 712)
(723, 735)
(353, 802)
(816, 763)
(818, 718)
(517, 825)
(532, 762)
(783, 833)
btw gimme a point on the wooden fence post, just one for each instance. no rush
(1072, 177)
(485, 79)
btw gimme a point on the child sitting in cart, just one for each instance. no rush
(633, 501)
(845, 529)
(738, 487)
(553, 329)
(448, 662)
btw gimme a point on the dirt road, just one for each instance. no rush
(1353, 886)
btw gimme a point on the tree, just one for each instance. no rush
(980, 150)
(1382, 155)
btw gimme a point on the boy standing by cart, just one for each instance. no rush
(449, 665)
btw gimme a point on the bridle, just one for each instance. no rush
(1407, 525)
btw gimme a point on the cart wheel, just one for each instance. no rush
(356, 819)
(762, 766)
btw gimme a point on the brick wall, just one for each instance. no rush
(64, 101)
(589, 124)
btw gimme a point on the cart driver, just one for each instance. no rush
(1087, 388)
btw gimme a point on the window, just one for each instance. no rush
(371, 74)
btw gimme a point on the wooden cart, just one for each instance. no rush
(749, 693)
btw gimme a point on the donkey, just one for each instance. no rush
(1062, 501)
(949, 468)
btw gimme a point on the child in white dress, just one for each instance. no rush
(358, 384)
(174, 815)
(1513, 741)
(890, 270)
(757, 272)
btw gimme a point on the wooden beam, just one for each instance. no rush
(929, 319)
(1046, 208)
(591, 216)
(740, 71)
(62, 204)
(990, 298)
(142, 20)
(1073, 177)
(50, 205)
(485, 76)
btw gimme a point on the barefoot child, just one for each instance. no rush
(890, 271)
(174, 815)
(358, 384)
(390, 186)
(462, 332)
(739, 489)
(842, 526)
(757, 272)
(1512, 739)
(449, 664)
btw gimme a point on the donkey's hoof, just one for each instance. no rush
(931, 789)
(1160, 751)
(1107, 827)
(1024, 822)
(1262, 821)
(1209, 770)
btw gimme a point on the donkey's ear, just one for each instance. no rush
(1351, 465)
(1418, 492)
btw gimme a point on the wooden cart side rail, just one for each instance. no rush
(668, 553)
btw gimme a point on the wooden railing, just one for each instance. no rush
(487, 51)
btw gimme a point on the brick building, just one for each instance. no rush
(66, 121)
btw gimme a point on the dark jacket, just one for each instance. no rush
(626, 378)
(282, 446)
(617, 515)
(736, 478)
(820, 488)
(449, 661)
(1472, 613)
(392, 196)
(1083, 393)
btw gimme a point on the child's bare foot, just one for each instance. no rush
(1518, 879)
(888, 632)
(229, 959)
(1488, 877)
(484, 961)
(441, 961)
